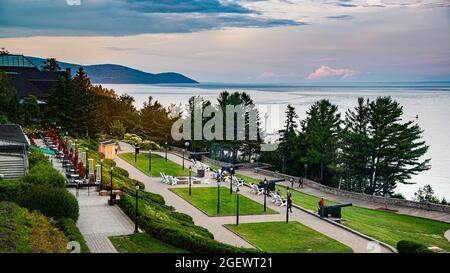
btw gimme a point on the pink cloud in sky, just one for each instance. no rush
(326, 71)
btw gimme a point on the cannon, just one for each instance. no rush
(270, 184)
(333, 211)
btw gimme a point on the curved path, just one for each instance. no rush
(215, 224)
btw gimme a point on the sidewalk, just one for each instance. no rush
(97, 220)
(215, 225)
(435, 215)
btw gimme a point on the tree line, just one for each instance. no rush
(369, 150)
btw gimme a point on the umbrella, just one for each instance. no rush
(71, 155)
(81, 173)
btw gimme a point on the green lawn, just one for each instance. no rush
(158, 165)
(385, 226)
(205, 199)
(292, 237)
(142, 243)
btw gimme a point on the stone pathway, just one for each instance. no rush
(215, 224)
(447, 235)
(97, 220)
(435, 215)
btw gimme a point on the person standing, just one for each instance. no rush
(292, 182)
(289, 202)
(321, 205)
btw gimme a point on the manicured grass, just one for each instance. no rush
(292, 237)
(385, 226)
(142, 243)
(158, 165)
(248, 179)
(205, 199)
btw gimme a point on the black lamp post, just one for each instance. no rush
(190, 181)
(265, 193)
(136, 221)
(218, 196)
(237, 206)
(166, 150)
(287, 204)
(87, 162)
(136, 152)
(111, 195)
(101, 174)
(186, 144)
(149, 160)
(231, 180)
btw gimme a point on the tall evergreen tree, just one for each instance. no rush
(287, 138)
(9, 103)
(396, 147)
(322, 133)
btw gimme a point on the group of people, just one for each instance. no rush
(300, 182)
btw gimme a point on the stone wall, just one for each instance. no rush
(206, 159)
(359, 196)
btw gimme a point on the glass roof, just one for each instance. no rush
(15, 60)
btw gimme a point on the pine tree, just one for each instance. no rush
(9, 103)
(322, 133)
(287, 138)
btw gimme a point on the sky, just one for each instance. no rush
(242, 41)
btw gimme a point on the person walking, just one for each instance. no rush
(292, 182)
(300, 182)
(289, 202)
(321, 205)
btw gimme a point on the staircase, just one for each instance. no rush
(12, 167)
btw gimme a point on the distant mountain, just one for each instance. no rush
(113, 73)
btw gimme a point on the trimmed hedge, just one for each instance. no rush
(70, 229)
(183, 233)
(57, 203)
(411, 247)
(44, 174)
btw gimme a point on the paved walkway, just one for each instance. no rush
(215, 224)
(97, 220)
(435, 215)
(447, 235)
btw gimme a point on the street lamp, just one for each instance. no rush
(111, 195)
(288, 192)
(101, 174)
(231, 180)
(306, 167)
(218, 195)
(87, 161)
(136, 221)
(237, 206)
(186, 144)
(190, 181)
(265, 193)
(166, 150)
(150, 160)
(136, 152)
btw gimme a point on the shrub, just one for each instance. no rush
(172, 228)
(36, 157)
(148, 144)
(45, 174)
(120, 172)
(52, 202)
(411, 247)
(28, 232)
(68, 226)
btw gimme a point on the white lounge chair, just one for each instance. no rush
(260, 191)
(254, 188)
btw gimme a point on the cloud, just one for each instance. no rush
(326, 72)
(19, 18)
(341, 17)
